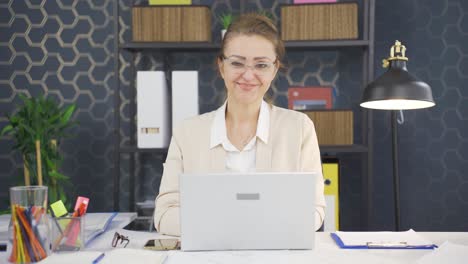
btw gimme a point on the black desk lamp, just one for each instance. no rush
(397, 89)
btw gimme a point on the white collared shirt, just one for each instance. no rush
(244, 160)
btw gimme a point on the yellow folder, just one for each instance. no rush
(332, 194)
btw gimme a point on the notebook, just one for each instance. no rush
(237, 211)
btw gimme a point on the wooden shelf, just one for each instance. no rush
(208, 46)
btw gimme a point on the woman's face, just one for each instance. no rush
(248, 67)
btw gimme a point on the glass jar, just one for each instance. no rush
(29, 225)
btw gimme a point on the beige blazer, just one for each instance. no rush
(292, 146)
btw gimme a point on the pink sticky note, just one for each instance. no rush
(81, 200)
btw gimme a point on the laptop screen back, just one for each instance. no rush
(234, 211)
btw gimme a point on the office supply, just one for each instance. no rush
(397, 89)
(58, 209)
(3, 246)
(77, 257)
(29, 224)
(127, 255)
(152, 110)
(81, 205)
(381, 240)
(95, 261)
(307, 98)
(96, 224)
(330, 169)
(226, 211)
(447, 253)
(184, 96)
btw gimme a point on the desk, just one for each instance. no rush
(326, 251)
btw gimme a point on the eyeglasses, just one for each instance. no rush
(120, 238)
(239, 66)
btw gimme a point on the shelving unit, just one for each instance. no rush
(364, 149)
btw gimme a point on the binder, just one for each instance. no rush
(184, 96)
(153, 126)
(381, 240)
(330, 168)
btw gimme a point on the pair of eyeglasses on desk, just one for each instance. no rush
(120, 240)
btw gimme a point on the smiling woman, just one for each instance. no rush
(245, 134)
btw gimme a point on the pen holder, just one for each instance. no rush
(29, 225)
(68, 233)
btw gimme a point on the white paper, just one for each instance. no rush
(130, 256)
(78, 257)
(446, 253)
(410, 237)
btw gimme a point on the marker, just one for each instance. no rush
(98, 258)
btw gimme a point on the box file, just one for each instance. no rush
(330, 168)
(153, 121)
(184, 96)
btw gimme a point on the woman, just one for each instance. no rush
(245, 134)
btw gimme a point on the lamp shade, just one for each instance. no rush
(397, 89)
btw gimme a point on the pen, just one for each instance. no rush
(98, 258)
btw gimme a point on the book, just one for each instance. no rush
(309, 98)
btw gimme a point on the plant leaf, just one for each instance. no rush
(67, 114)
(6, 129)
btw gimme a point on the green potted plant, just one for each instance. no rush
(226, 20)
(37, 128)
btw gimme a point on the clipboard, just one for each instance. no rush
(380, 244)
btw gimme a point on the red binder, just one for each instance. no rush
(310, 98)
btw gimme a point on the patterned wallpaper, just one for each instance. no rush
(66, 49)
(433, 144)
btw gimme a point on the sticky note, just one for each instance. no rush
(58, 208)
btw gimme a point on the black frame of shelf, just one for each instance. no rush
(366, 43)
(208, 46)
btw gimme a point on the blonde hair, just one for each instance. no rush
(258, 25)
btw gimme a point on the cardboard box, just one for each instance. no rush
(171, 24)
(333, 127)
(327, 21)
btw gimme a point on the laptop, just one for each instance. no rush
(247, 211)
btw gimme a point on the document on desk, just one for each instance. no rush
(116, 256)
(96, 224)
(381, 240)
(446, 253)
(4, 222)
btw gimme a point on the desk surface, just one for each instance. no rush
(326, 250)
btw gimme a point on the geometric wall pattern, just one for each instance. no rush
(433, 146)
(66, 50)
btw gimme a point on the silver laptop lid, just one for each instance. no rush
(233, 211)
